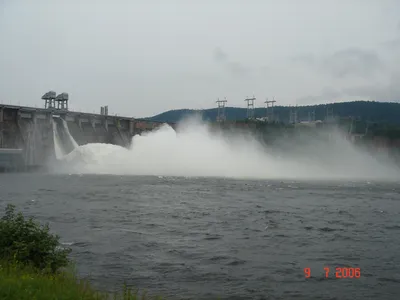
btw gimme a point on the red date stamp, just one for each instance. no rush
(344, 272)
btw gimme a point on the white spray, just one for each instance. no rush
(58, 146)
(196, 151)
(70, 137)
(57, 141)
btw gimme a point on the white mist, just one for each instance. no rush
(197, 151)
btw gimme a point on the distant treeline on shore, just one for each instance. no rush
(367, 111)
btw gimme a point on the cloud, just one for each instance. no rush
(236, 68)
(306, 59)
(352, 62)
(162, 56)
(360, 68)
(386, 92)
(327, 94)
(233, 67)
(393, 44)
(354, 74)
(378, 92)
(219, 55)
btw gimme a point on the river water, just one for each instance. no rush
(203, 238)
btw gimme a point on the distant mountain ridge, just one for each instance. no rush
(385, 112)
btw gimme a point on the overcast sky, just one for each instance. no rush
(144, 57)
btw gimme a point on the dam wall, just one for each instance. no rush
(34, 134)
(31, 137)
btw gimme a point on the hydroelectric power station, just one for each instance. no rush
(30, 137)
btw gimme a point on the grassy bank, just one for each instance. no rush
(19, 282)
(33, 266)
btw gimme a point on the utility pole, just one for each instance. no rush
(221, 110)
(270, 109)
(250, 107)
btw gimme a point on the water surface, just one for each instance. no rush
(199, 238)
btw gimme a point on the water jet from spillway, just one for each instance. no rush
(195, 150)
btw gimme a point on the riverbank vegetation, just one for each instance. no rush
(372, 111)
(33, 265)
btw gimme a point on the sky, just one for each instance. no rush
(144, 57)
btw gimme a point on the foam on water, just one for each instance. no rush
(197, 151)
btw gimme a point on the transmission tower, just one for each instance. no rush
(367, 126)
(329, 114)
(351, 129)
(293, 115)
(221, 110)
(270, 109)
(353, 124)
(250, 107)
(311, 116)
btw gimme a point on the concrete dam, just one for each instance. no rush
(31, 137)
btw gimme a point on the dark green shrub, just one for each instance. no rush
(28, 242)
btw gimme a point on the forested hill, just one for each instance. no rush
(384, 112)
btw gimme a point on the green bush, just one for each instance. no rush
(28, 242)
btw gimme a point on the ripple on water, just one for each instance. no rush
(210, 236)
(386, 279)
(340, 237)
(236, 262)
(81, 244)
(183, 243)
(219, 258)
(392, 227)
(329, 229)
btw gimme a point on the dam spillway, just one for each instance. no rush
(29, 137)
